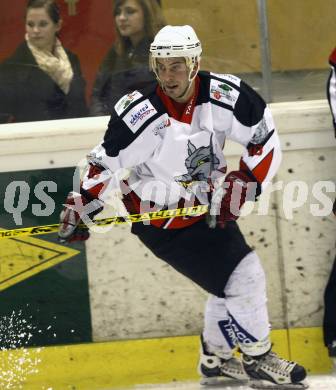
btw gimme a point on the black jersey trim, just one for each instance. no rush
(158, 104)
(250, 106)
(204, 89)
(221, 104)
(147, 123)
(230, 83)
(119, 136)
(131, 106)
(204, 92)
(210, 76)
(264, 141)
(147, 93)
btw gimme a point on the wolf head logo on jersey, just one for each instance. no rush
(200, 163)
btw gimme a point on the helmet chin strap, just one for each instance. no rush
(189, 63)
(186, 91)
(191, 79)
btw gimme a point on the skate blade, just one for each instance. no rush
(265, 385)
(333, 359)
(222, 381)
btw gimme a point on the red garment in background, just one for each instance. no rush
(332, 57)
(88, 31)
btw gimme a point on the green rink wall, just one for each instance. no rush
(43, 284)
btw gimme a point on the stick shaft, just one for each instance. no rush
(131, 218)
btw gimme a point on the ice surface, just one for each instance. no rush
(315, 382)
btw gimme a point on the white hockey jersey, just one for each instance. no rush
(170, 156)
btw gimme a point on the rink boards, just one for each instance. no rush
(109, 311)
(118, 364)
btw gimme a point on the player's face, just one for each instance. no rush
(41, 29)
(174, 77)
(129, 18)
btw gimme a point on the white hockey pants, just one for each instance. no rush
(241, 318)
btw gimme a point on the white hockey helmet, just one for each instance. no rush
(176, 41)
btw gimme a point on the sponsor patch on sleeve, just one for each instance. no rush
(221, 91)
(126, 100)
(139, 115)
(230, 77)
(160, 124)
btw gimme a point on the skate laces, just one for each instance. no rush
(278, 364)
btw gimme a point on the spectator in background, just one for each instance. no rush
(329, 320)
(41, 80)
(125, 67)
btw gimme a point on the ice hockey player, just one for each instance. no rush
(331, 87)
(170, 140)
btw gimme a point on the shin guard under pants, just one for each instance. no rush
(241, 318)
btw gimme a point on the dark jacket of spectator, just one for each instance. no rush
(27, 93)
(120, 74)
(126, 65)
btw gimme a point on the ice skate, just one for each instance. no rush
(272, 372)
(332, 355)
(332, 349)
(215, 370)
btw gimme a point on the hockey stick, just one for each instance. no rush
(131, 218)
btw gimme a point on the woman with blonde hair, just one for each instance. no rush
(41, 80)
(125, 67)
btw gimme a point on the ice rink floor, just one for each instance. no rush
(315, 382)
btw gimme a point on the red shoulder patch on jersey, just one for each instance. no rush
(255, 150)
(332, 57)
(261, 170)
